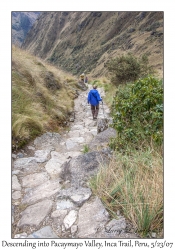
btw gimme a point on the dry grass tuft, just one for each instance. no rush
(133, 184)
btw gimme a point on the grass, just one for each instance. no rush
(85, 149)
(133, 184)
(42, 97)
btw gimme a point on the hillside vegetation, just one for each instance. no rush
(132, 183)
(42, 97)
(84, 41)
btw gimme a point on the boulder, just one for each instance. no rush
(77, 196)
(34, 180)
(26, 165)
(102, 139)
(35, 214)
(103, 124)
(42, 155)
(92, 217)
(50, 141)
(41, 192)
(53, 166)
(79, 169)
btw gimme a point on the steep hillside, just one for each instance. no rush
(42, 97)
(84, 41)
(21, 24)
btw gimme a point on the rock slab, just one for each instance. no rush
(35, 214)
(44, 233)
(92, 216)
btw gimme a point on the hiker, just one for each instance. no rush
(86, 80)
(94, 99)
(82, 77)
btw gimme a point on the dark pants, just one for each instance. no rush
(95, 110)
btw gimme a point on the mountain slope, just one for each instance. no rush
(42, 97)
(21, 24)
(84, 41)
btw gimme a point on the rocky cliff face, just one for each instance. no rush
(84, 41)
(21, 24)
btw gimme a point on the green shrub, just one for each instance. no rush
(127, 68)
(137, 112)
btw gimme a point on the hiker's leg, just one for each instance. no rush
(93, 110)
(96, 111)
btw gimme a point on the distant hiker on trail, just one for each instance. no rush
(86, 80)
(94, 99)
(82, 76)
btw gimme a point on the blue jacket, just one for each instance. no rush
(94, 97)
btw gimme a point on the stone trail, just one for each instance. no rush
(50, 193)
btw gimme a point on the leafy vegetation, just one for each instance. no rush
(132, 183)
(138, 113)
(127, 68)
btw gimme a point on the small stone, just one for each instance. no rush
(16, 195)
(71, 144)
(64, 204)
(13, 156)
(153, 235)
(20, 155)
(115, 227)
(70, 218)
(53, 166)
(63, 228)
(74, 229)
(44, 233)
(74, 133)
(45, 190)
(77, 127)
(15, 183)
(42, 155)
(31, 148)
(93, 131)
(23, 163)
(34, 180)
(59, 213)
(16, 172)
(22, 235)
(118, 213)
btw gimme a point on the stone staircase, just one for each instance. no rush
(50, 193)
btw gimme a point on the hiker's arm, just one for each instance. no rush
(98, 97)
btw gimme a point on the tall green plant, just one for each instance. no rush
(138, 113)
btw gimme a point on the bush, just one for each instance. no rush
(137, 112)
(128, 68)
